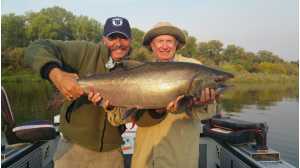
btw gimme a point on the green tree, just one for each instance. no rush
(234, 54)
(295, 62)
(84, 28)
(249, 61)
(137, 38)
(52, 23)
(190, 48)
(271, 68)
(139, 52)
(12, 59)
(12, 31)
(268, 56)
(211, 50)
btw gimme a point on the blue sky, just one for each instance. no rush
(252, 24)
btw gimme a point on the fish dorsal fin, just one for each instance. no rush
(132, 63)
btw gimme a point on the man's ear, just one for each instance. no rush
(177, 44)
(104, 40)
(151, 44)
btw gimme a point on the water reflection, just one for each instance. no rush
(263, 96)
(29, 100)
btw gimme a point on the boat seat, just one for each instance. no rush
(234, 124)
(37, 130)
(236, 131)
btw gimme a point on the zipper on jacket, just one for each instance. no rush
(103, 132)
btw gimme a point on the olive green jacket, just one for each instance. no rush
(88, 125)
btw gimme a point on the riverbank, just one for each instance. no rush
(24, 75)
(261, 78)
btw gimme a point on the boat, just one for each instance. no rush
(227, 143)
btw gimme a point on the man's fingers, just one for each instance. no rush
(72, 75)
(90, 95)
(207, 95)
(66, 83)
(107, 104)
(96, 98)
(74, 89)
(178, 99)
(170, 106)
(202, 98)
(65, 93)
(212, 94)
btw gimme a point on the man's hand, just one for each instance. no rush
(208, 95)
(173, 105)
(66, 83)
(96, 98)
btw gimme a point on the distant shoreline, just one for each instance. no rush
(264, 78)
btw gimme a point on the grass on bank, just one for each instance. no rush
(261, 78)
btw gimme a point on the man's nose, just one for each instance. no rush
(165, 46)
(117, 42)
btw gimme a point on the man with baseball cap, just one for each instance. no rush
(91, 140)
(170, 139)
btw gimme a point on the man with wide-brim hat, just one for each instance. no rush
(163, 29)
(169, 138)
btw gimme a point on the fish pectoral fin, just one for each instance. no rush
(128, 112)
(185, 104)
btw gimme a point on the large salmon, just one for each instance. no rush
(155, 84)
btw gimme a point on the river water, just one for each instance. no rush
(276, 104)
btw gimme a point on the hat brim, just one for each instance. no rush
(164, 30)
(117, 32)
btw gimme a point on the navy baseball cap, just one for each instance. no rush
(117, 25)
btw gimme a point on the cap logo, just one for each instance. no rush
(117, 22)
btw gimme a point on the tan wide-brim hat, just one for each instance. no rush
(164, 28)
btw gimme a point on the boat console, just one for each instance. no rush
(233, 143)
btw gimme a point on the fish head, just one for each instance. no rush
(214, 79)
(200, 82)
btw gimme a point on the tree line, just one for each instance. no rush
(18, 31)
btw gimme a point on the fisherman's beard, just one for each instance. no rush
(123, 54)
(118, 47)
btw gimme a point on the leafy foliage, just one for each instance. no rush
(13, 31)
(58, 23)
(190, 48)
(52, 23)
